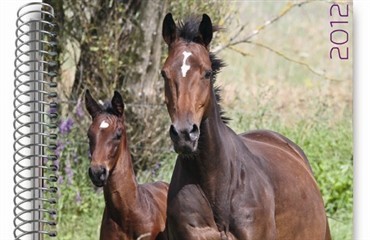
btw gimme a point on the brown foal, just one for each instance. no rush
(132, 210)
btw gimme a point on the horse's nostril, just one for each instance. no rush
(188, 133)
(194, 129)
(173, 132)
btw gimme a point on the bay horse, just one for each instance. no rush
(132, 210)
(256, 185)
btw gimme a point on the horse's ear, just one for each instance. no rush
(117, 104)
(169, 29)
(206, 30)
(91, 105)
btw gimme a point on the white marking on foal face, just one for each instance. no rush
(104, 124)
(185, 68)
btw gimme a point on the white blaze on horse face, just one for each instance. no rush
(185, 68)
(104, 124)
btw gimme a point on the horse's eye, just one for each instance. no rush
(118, 135)
(208, 74)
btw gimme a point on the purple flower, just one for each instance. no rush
(60, 179)
(65, 126)
(79, 110)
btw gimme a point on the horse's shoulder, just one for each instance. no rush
(153, 196)
(273, 139)
(154, 188)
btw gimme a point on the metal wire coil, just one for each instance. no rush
(35, 123)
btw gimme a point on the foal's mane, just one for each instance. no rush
(188, 30)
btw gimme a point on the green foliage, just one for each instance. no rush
(80, 205)
(79, 219)
(215, 9)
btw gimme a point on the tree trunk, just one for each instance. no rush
(146, 73)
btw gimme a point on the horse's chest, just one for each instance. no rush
(235, 215)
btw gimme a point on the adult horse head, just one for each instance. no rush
(188, 73)
(256, 185)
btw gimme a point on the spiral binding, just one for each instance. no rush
(35, 123)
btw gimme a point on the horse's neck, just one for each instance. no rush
(216, 163)
(121, 190)
(216, 146)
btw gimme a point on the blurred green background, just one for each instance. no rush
(280, 78)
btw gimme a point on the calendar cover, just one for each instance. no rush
(184, 120)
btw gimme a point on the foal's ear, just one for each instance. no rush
(169, 29)
(117, 104)
(91, 105)
(206, 30)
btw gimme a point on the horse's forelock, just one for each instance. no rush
(188, 29)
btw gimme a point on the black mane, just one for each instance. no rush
(188, 31)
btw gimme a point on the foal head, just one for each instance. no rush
(106, 133)
(188, 74)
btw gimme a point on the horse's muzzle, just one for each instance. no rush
(185, 140)
(98, 175)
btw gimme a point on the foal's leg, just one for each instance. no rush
(190, 216)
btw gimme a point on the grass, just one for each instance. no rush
(80, 220)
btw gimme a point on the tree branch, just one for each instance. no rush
(233, 41)
(306, 65)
